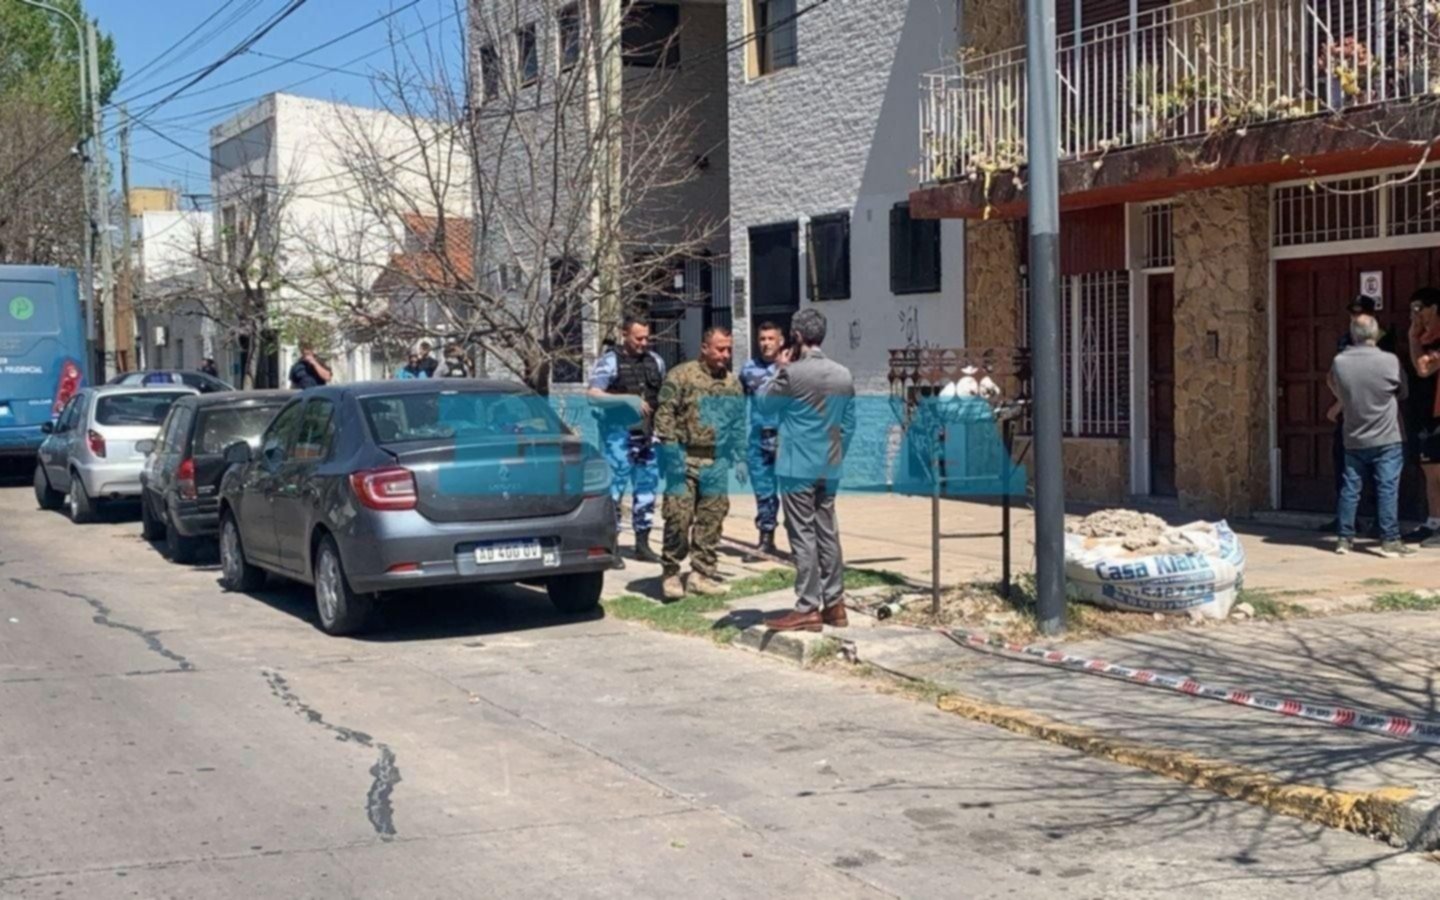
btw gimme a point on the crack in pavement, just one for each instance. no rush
(385, 773)
(102, 617)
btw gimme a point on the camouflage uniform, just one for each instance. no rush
(700, 424)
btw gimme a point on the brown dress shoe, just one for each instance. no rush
(834, 615)
(796, 620)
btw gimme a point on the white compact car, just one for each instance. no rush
(89, 454)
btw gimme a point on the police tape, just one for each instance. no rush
(1392, 726)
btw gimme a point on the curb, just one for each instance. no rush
(1401, 816)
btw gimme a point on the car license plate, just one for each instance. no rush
(507, 551)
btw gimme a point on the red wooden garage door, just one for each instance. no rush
(1311, 300)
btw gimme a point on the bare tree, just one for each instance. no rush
(523, 142)
(42, 200)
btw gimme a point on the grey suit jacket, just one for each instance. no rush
(813, 400)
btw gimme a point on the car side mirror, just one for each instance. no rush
(237, 454)
(47, 427)
(145, 447)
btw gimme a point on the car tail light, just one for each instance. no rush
(69, 383)
(392, 488)
(97, 442)
(185, 480)
(597, 478)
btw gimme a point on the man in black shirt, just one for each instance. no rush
(428, 362)
(308, 371)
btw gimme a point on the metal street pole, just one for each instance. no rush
(127, 309)
(87, 263)
(102, 204)
(1043, 151)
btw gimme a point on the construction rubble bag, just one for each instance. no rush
(1131, 561)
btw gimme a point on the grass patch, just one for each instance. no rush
(1406, 601)
(1378, 582)
(681, 617)
(825, 650)
(1268, 605)
(783, 579)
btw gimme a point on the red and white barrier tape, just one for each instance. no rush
(1391, 726)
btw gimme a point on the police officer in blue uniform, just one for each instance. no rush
(625, 392)
(760, 450)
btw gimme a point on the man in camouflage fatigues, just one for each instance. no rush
(700, 424)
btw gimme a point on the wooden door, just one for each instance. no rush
(1311, 297)
(1162, 385)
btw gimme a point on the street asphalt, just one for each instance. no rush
(160, 737)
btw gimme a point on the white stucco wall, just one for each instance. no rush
(839, 132)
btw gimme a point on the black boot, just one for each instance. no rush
(767, 543)
(642, 548)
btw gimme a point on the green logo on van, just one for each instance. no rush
(22, 308)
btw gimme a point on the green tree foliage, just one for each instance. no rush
(40, 59)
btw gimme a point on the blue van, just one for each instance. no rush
(42, 352)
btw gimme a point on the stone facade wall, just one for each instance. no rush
(992, 285)
(1097, 470)
(1221, 350)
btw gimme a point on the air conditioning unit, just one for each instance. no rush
(162, 334)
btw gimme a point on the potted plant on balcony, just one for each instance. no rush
(1349, 67)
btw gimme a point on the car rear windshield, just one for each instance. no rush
(219, 428)
(139, 408)
(462, 415)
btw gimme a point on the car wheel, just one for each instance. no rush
(46, 496)
(151, 528)
(82, 508)
(235, 573)
(178, 547)
(342, 610)
(576, 594)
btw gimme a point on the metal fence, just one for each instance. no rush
(1182, 71)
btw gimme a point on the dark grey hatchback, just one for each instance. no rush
(396, 485)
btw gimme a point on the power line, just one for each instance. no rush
(189, 34)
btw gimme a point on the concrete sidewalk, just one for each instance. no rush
(890, 531)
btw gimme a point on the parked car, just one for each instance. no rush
(205, 384)
(89, 454)
(180, 483)
(392, 485)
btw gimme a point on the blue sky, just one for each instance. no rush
(143, 29)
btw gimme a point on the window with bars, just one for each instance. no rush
(1415, 204)
(1159, 236)
(776, 46)
(1095, 352)
(828, 252)
(1346, 209)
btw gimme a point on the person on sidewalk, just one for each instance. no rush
(1424, 343)
(308, 371)
(624, 391)
(1360, 306)
(700, 426)
(428, 362)
(412, 369)
(456, 365)
(756, 375)
(813, 399)
(1370, 383)
(209, 368)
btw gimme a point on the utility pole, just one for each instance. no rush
(102, 203)
(1044, 177)
(126, 310)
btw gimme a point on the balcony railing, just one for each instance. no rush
(1182, 71)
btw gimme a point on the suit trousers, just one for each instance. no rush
(815, 542)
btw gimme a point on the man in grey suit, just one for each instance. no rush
(813, 399)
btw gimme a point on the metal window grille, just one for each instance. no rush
(1415, 204)
(1159, 236)
(1345, 209)
(1095, 352)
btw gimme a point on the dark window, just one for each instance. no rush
(317, 431)
(650, 36)
(490, 71)
(775, 267)
(146, 408)
(775, 43)
(527, 56)
(219, 428)
(458, 415)
(914, 252)
(568, 20)
(281, 433)
(565, 324)
(828, 249)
